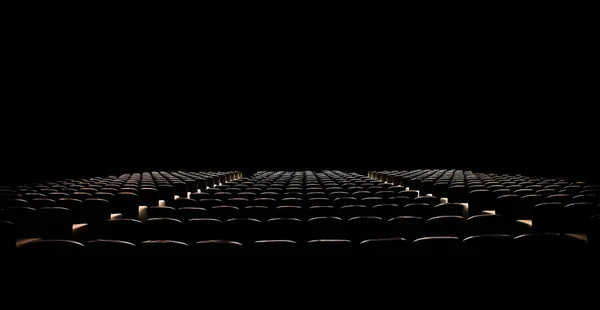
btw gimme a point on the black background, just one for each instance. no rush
(493, 99)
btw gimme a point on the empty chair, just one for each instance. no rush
(345, 201)
(370, 201)
(350, 211)
(458, 193)
(15, 203)
(158, 212)
(260, 213)
(561, 198)
(127, 204)
(430, 200)
(457, 209)
(361, 194)
(51, 247)
(38, 203)
(101, 247)
(275, 247)
(422, 210)
(329, 247)
(320, 211)
(163, 229)
(209, 203)
(199, 196)
(187, 213)
(122, 229)
(508, 205)
(576, 216)
(548, 243)
(24, 220)
(244, 230)
(184, 203)
(480, 200)
(546, 192)
(149, 196)
(409, 194)
(585, 198)
(433, 246)
(82, 195)
(386, 211)
(366, 227)
(526, 204)
(166, 192)
(224, 213)
(289, 212)
(325, 228)
(593, 231)
(408, 227)
(239, 202)
(8, 237)
(482, 224)
(385, 246)
(163, 248)
(446, 225)
(224, 196)
(267, 202)
(54, 223)
(284, 229)
(218, 248)
(205, 229)
(94, 210)
(547, 217)
(401, 201)
(311, 202)
(385, 194)
(487, 245)
(57, 195)
(106, 196)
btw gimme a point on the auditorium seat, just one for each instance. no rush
(385, 247)
(163, 248)
(218, 248)
(275, 248)
(440, 245)
(329, 247)
(40, 248)
(164, 229)
(100, 247)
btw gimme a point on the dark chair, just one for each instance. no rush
(560, 198)
(164, 229)
(94, 210)
(160, 212)
(321, 211)
(54, 223)
(163, 248)
(289, 212)
(446, 225)
(490, 245)
(576, 216)
(387, 211)
(24, 220)
(370, 201)
(483, 224)
(184, 203)
(244, 230)
(526, 204)
(51, 247)
(218, 248)
(437, 246)
(81, 195)
(149, 196)
(408, 227)
(325, 228)
(201, 229)
(480, 200)
(166, 192)
(38, 203)
(430, 200)
(543, 244)
(585, 198)
(385, 246)
(200, 196)
(8, 237)
(457, 209)
(350, 211)
(224, 213)
(422, 210)
(239, 202)
(345, 201)
(127, 204)
(209, 203)
(122, 229)
(275, 248)
(329, 247)
(187, 213)
(284, 229)
(548, 217)
(409, 194)
(101, 247)
(366, 227)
